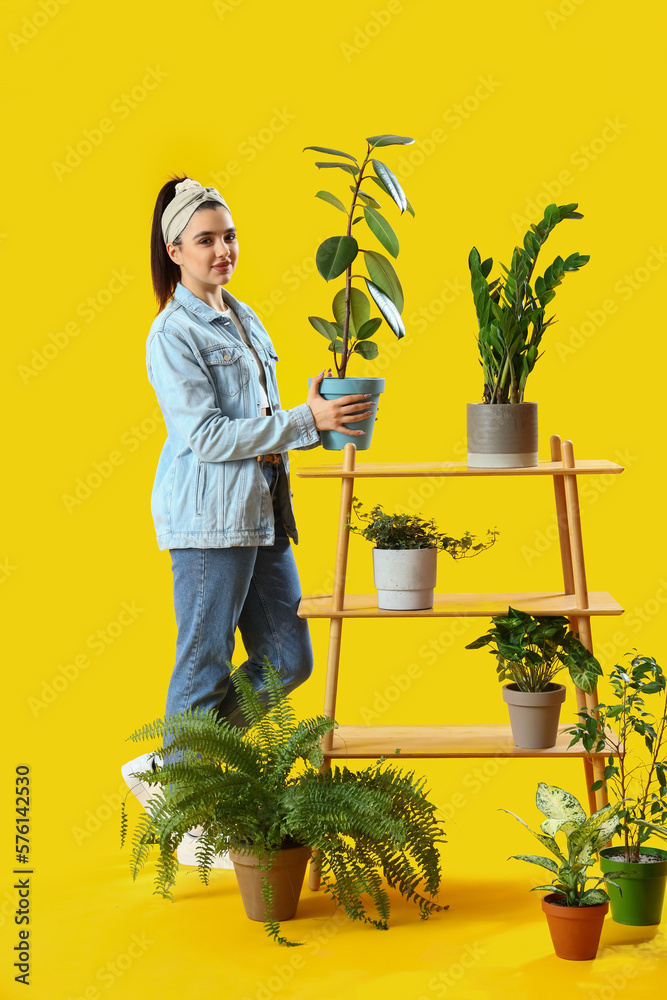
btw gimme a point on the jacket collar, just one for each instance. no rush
(190, 301)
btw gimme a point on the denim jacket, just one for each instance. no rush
(209, 489)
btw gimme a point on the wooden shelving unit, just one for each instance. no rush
(574, 601)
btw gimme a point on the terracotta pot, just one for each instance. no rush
(502, 435)
(534, 715)
(638, 900)
(575, 930)
(405, 578)
(286, 877)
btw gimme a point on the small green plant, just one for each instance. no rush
(350, 331)
(637, 775)
(583, 837)
(510, 314)
(260, 787)
(532, 649)
(408, 531)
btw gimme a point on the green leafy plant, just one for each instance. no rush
(510, 314)
(350, 331)
(258, 787)
(583, 837)
(408, 531)
(637, 776)
(532, 649)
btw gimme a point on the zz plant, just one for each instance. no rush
(532, 649)
(511, 311)
(636, 740)
(350, 331)
(260, 787)
(583, 836)
(408, 531)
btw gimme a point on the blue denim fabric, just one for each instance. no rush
(209, 491)
(217, 589)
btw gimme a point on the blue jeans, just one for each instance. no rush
(254, 588)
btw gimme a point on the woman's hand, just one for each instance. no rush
(331, 414)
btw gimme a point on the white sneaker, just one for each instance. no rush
(143, 791)
(185, 851)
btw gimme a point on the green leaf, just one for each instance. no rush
(335, 255)
(593, 897)
(332, 200)
(367, 199)
(387, 308)
(381, 228)
(360, 309)
(558, 806)
(410, 209)
(366, 348)
(384, 276)
(324, 326)
(343, 166)
(389, 140)
(536, 859)
(368, 329)
(391, 183)
(334, 152)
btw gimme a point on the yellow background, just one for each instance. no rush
(512, 105)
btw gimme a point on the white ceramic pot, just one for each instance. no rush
(405, 578)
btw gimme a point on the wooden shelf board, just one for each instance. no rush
(464, 606)
(440, 741)
(392, 469)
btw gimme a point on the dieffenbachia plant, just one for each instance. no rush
(352, 327)
(583, 837)
(510, 313)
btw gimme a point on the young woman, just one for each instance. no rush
(221, 499)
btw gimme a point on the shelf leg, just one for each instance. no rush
(336, 624)
(583, 622)
(568, 587)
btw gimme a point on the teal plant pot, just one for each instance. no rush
(642, 887)
(334, 388)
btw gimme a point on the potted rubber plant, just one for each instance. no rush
(257, 793)
(635, 737)
(575, 913)
(350, 330)
(405, 555)
(530, 651)
(511, 316)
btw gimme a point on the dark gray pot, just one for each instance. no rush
(534, 715)
(502, 435)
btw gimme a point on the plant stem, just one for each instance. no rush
(348, 276)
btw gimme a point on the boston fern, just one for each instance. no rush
(408, 531)
(350, 332)
(511, 314)
(258, 788)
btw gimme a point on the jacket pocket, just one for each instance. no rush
(200, 486)
(228, 367)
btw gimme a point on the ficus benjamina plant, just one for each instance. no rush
(511, 312)
(635, 739)
(350, 331)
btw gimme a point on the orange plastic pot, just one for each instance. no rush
(575, 930)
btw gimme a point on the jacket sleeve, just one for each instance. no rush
(186, 394)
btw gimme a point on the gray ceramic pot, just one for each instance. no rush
(502, 436)
(534, 715)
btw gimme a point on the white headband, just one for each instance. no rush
(189, 196)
